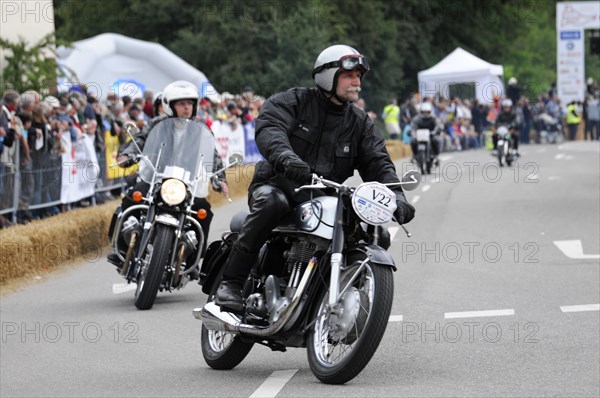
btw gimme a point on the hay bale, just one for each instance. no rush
(397, 149)
(31, 249)
(35, 248)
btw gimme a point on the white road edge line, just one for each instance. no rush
(475, 314)
(271, 387)
(415, 199)
(395, 318)
(580, 308)
(574, 249)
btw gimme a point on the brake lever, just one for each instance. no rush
(317, 186)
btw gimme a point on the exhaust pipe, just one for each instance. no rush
(214, 319)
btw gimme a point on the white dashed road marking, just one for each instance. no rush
(395, 318)
(415, 199)
(119, 288)
(426, 188)
(559, 156)
(574, 249)
(476, 314)
(580, 308)
(271, 387)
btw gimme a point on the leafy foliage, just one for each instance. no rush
(272, 45)
(29, 67)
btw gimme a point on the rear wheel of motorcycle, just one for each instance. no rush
(339, 347)
(222, 350)
(150, 277)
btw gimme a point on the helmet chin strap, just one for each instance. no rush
(332, 94)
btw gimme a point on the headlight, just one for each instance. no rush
(173, 191)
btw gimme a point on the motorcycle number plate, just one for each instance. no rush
(423, 135)
(374, 203)
(422, 147)
(500, 142)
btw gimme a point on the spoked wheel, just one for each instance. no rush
(153, 270)
(222, 350)
(343, 339)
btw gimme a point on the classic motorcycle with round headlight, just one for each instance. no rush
(159, 239)
(323, 281)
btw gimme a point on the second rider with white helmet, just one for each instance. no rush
(178, 99)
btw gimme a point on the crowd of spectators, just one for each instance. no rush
(33, 138)
(468, 123)
(34, 130)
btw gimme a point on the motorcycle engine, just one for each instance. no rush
(299, 255)
(274, 301)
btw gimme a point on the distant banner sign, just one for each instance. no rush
(572, 18)
(570, 35)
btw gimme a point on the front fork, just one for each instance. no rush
(337, 247)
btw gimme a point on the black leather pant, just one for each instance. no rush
(514, 139)
(435, 150)
(268, 205)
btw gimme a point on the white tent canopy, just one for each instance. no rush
(115, 63)
(460, 67)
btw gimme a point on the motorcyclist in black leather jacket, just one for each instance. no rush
(507, 118)
(303, 131)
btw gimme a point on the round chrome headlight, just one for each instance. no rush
(173, 191)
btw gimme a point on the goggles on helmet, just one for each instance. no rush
(347, 62)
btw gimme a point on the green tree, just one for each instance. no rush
(29, 66)
(273, 45)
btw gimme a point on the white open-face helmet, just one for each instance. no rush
(332, 60)
(506, 103)
(179, 90)
(426, 107)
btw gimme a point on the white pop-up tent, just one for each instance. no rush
(460, 67)
(115, 63)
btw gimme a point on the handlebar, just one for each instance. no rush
(320, 183)
(122, 163)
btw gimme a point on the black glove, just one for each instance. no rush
(405, 211)
(294, 168)
(130, 161)
(216, 183)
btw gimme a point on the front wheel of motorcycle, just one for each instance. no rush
(222, 350)
(343, 340)
(152, 271)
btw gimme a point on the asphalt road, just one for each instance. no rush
(496, 294)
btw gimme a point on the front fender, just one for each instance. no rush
(375, 254)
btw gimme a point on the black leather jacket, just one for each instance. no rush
(333, 140)
(508, 119)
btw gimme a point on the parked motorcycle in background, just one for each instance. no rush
(323, 282)
(550, 129)
(159, 239)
